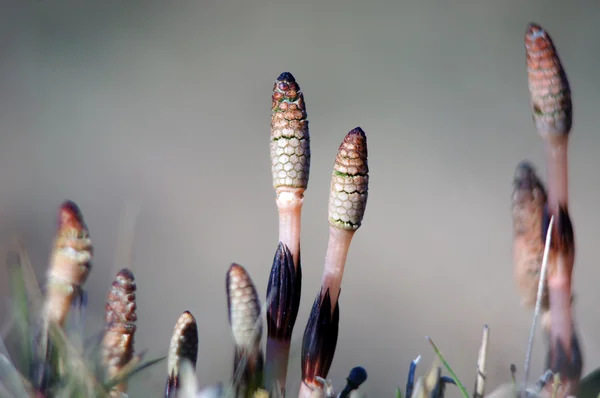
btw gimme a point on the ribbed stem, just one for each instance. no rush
(289, 202)
(335, 261)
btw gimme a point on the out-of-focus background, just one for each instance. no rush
(166, 108)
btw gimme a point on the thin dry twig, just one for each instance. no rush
(538, 303)
(481, 363)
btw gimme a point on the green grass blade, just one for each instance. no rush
(21, 317)
(460, 385)
(11, 379)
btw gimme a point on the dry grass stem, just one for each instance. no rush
(480, 378)
(538, 304)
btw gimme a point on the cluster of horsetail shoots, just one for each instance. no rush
(120, 318)
(534, 206)
(183, 347)
(543, 260)
(290, 168)
(347, 203)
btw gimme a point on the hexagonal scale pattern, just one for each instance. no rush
(548, 84)
(290, 139)
(350, 182)
(244, 307)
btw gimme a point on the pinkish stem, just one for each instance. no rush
(278, 352)
(559, 290)
(558, 173)
(289, 202)
(335, 261)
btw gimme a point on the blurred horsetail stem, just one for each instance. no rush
(528, 202)
(118, 341)
(553, 117)
(70, 262)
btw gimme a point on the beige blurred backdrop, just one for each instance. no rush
(165, 107)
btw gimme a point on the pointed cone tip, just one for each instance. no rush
(286, 77)
(70, 215)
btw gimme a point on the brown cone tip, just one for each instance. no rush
(350, 182)
(548, 85)
(529, 197)
(320, 339)
(121, 303)
(290, 139)
(120, 317)
(244, 307)
(70, 216)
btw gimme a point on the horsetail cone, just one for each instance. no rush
(70, 262)
(528, 202)
(244, 307)
(183, 346)
(290, 140)
(120, 318)
(548, 85)
(244, 317)
(350, 182)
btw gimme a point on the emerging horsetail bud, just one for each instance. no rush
(349, 183)
(548, 85)
(244, 317)
(528, 202)
(120, 317)
(184, 346)
(70, 262)
(284, 292)
(319, 341)
(290, 140)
